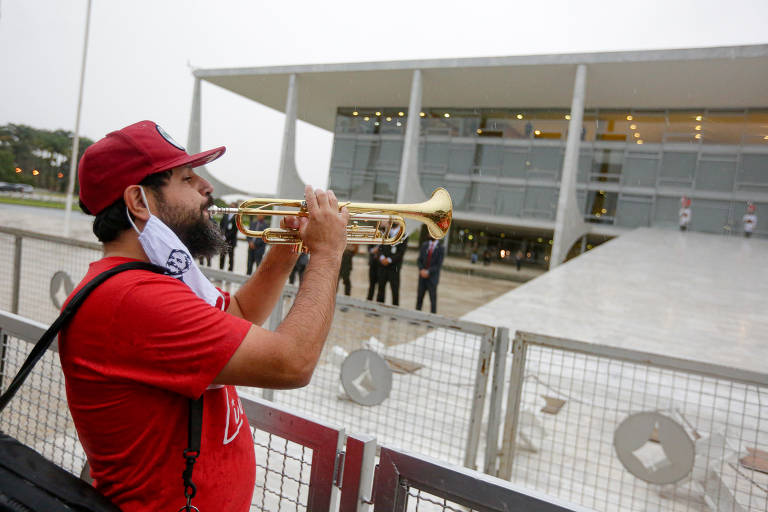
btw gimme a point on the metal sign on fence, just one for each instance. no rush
(61, 287)
(366, 377)
(654, 448)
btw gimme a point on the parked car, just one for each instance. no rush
(16, 187)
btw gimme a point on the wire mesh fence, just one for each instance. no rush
(282, 473)
(37, 271)
(38, 415)
(439, 370)
(572, 399)
(573, 407)
(7, 249)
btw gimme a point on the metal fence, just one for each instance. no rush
(302, 464)
(454, 388)
(617, 429)
(37, 271)
(440, 373)
(441, 366)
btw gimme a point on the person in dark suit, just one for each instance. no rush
(373, 270)
(256, 246)
(345, 271)
(390, 261)
(299, 267)
(229, 228)
(430, 261)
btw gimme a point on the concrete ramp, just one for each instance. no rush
(688, 295)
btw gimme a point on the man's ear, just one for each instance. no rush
(135, 202)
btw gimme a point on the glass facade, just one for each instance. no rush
(634, 165)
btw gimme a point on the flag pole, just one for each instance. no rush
(76, 137)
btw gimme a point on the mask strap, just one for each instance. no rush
(146, 203)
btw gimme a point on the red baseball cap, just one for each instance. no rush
(127, 156)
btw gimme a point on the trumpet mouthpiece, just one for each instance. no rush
(213, 210)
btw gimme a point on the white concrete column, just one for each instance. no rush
(193, 146)
(569, 223)
(193, 136)
(409, 186)
(289, 184)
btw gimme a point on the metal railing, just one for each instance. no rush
(565, 433)
(413, 482)
(301, 463)
(455, 389)
(440, 364)
(440, 374)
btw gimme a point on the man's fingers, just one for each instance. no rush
(332, 201)
(322, 198)
(309, 197)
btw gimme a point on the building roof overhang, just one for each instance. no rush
(722, 77)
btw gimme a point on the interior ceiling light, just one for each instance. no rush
(633, 127)
(699, 118)
(447, 114)
(698, 136)
(355, 113)
(422, 114)
(399, 123)
(537, 132)
(366, 118)
(401, 114)
(389, 119)
(479, 131)
(519, 116)
(629, 118)
(378, 113)
(637, 135)
(639, 141)
(568, 117)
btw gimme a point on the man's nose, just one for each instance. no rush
(206, 188)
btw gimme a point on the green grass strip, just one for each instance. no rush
(37, 202)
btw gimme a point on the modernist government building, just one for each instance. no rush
(551, 154)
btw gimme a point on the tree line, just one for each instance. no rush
(37, 157)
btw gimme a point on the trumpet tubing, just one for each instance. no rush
(435, 213)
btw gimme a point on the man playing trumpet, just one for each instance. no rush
(144, 344)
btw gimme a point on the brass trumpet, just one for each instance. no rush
(436, 213)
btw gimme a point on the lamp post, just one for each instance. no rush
(76, 137)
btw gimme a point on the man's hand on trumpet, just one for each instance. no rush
(324, 229)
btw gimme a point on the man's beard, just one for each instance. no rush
(201, 236)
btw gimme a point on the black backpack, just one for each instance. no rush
(29, 481)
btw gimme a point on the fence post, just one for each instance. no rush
(478, 402)
(497, 394)
(3, 355)
(16, 287)
(519, 349)
(357, 480)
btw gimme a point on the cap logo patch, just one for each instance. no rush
(168, 138)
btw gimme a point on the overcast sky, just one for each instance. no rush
(140, 51)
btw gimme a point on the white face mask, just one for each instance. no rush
(164, 248)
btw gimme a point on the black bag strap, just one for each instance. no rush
(72, 306)
(194, 434)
